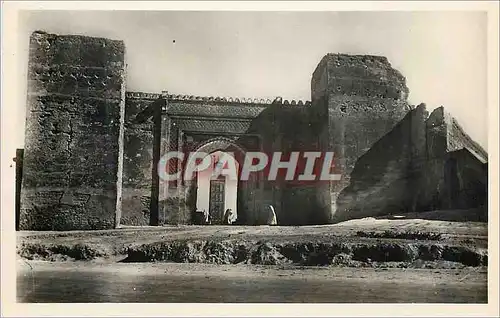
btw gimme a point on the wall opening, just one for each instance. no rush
(217, 188)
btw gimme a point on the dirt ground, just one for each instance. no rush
(205, 283)
(357, 243)
(366, 260)
(476, 232)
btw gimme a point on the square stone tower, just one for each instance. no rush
(74, 133)
(357, 100)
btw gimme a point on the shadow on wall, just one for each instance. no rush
(286, 128)
(413, 169)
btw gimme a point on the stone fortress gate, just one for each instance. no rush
(92, 148)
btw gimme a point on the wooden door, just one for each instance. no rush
(217, 201)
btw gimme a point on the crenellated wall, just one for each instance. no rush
(191, 121)
(215, 99)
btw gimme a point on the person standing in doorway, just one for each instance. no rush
(207, 216)
(229, 217)
(271, 218)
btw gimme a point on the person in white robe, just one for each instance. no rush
(229, 217)
(271, 218)
(206, 215)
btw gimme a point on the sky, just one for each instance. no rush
(269, 54)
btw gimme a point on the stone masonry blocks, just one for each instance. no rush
(73, 126)
(361, 98)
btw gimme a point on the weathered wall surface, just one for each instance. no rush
(361, 98)
(445, 134)
(446, 172)
(299, 202)
(288, 127)
(137, 160)
(466, 181)
(415, 167)
(72, 157)
(382, 179)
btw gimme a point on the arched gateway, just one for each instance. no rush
(218, 187)
(191, 128)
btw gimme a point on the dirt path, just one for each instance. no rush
(140, 235)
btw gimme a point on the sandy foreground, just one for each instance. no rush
(168, 282)
(420, 276)
(368, 260)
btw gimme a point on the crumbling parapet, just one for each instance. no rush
(73, 127)
(424, 163)
(455, 169)
(445, 134)
(358, 75)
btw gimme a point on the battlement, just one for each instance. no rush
(216, 99)
(56, 51)
(358, 75)
(353, 59)
(376, 67)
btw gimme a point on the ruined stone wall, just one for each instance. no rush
(459, 139)
(362, 98)
(413, 168)
(264, 193)
(382, 179)
(444, 137)
(466, 181)
(74, 125)
(445, 134)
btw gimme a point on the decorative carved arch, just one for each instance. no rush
(216, 144)
(219, 143)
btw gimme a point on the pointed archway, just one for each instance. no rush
(221, 191)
